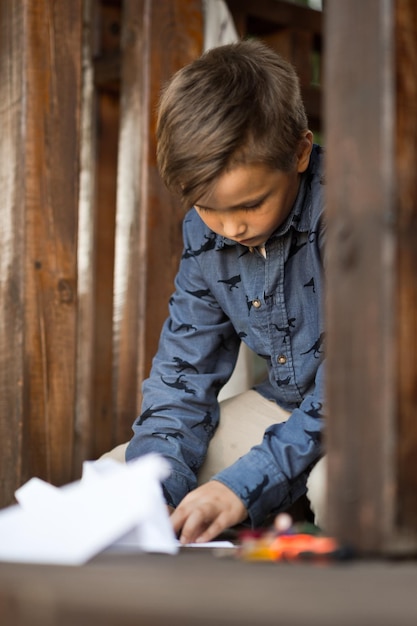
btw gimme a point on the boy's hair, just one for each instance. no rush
(237, 104)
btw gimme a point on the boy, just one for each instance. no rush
(233, 142)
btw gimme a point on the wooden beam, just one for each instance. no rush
(157, 39)
(12, 365)
(372, 263)
(85, 428)
(40, 65)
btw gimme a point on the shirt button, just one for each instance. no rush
(282, 359)
(256, 303)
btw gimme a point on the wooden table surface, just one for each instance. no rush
(199, 588)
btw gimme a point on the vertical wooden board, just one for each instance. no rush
(158, 38)
(361, 435)
(52, 54)
(130, 249)
(108, 113)
(406, 166)
(12, 95)
(86, 309)
(175, 38)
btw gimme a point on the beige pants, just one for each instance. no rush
(243, 421)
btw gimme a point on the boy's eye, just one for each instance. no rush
(244, 207)
(251, 207)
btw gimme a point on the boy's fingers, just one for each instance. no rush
(178, 518)
(194, 525)
(206, 512)
(210, 533)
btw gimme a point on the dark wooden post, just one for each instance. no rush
(371, 85)
(40, 73)
(157, 39)
(405, 23)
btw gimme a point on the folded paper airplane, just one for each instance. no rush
(114, 504)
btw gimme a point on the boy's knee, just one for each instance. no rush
(116, 454)
(317, 491)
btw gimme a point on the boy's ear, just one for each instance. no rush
(304, 151)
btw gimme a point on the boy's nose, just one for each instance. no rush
(233, 228)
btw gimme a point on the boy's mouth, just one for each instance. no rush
(248, 242)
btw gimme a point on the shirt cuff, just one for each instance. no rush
(175, 487)
(262, 496)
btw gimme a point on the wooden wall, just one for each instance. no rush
(80, 189)
(40, 72)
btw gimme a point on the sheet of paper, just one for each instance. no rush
(126, 546)
(71, 524)
(211, 544)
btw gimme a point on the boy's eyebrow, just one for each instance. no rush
(248, 203)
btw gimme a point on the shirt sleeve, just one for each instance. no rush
(276, 470)
(196, 356)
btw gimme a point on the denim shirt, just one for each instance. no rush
(226, 293)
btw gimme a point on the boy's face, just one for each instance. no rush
(249, 202)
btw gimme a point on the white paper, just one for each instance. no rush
(111, 503)
(211, 544)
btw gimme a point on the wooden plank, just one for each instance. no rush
(100, 131)
(53, 73)
(360, 277)
(199, 589)
(107, 21)
(366, 417)
(108, 117)
(43, 69)
(158, 38)
(406, 165)
(12, 247)
(86, 313)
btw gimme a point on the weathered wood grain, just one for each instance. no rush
(40, 73)
(371, 258)
(157, 39)
(12, 367)
(406, 197)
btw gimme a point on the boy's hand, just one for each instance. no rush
(205, 512)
